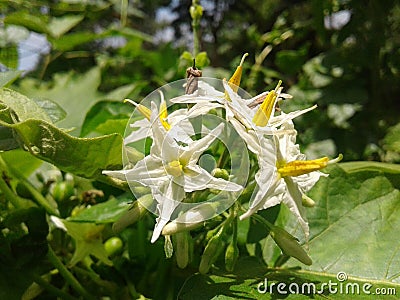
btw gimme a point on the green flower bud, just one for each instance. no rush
(196, 11)
(62, 190)
(135, 213)
(182, 249)
(133, 155)
(307, 201)
(211, 252)
(231, 256)
(113, 245)
(289, 245)
(220, 173)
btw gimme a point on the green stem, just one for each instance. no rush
(34, 192)
(68, 276)
(196, 12)
(9, 194)
(262, 221)
(124, 12)
(51, 289)
(196, 38)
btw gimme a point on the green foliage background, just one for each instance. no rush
(63, 123)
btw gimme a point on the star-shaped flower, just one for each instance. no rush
(287, 177)
(87, 237)
(171, 170)
(177, 122)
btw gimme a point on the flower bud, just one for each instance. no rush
(113, 245)
(289, 245)
(220, 173)
(196, 11)
(182, 249)
(307, 201)
(135, 212)
(211, 252)
(192, 218)
(133, 155)
(231, 256)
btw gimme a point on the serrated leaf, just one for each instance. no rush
(8, 77)
(85, 157)
(106, 212)
(61, 25)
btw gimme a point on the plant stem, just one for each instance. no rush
(50, 288)
(9, 194)
(68, 276)
(196, 12)
(34, 192)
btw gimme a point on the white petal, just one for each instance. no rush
(193, 151)
(164, 146)
(138, 135)
(293, 199)
(279, 120)
(148, 171)
(201, 179)
(168, 198)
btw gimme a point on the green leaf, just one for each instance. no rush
(7, 139)
(392, 139)
(59, 26)
(359, 166)
(290, 61)
(85, 157)
(21, 160)
(23, 107)
(202, 60)
(9, 57)
(252, 280)
(81, 96)
(106, 212)
(103, 113)
(257, 231)
(8, 77)
(353, 225)
(25, 19)
(52, 109)
(72, 40)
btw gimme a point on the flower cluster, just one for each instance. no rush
(172, 171)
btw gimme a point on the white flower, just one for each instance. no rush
(177, 122)
(171, 170)
(289, 179)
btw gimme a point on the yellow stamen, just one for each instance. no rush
(234, 81)
(301, 167)
(164, 113)
(146, 112)
(263, 114)
(174, 168)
